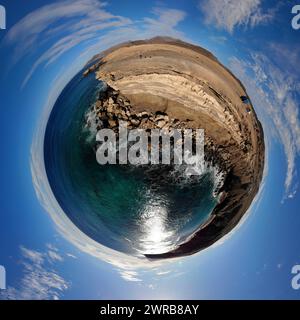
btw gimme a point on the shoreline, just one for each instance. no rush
(189, 84)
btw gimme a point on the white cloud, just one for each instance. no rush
(39, 281)
(273, 92)
(219, 39)
(34, 256)
(129, 275)
(289, 56)
(229, 14)
(54, 256)
(165, 22)
(60, 27)
(76, 17)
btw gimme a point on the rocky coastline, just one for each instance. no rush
(165, 83)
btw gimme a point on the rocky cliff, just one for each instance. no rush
(168, 83)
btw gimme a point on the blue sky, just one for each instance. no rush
(45, 45)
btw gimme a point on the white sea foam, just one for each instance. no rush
(92, 124)
(182, 173)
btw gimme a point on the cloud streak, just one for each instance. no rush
(273, 92)
(164, 23)
(58, 28)
(39, 281)
(230, 14)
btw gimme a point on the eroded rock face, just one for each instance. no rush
(112, 108)
(165, 83)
